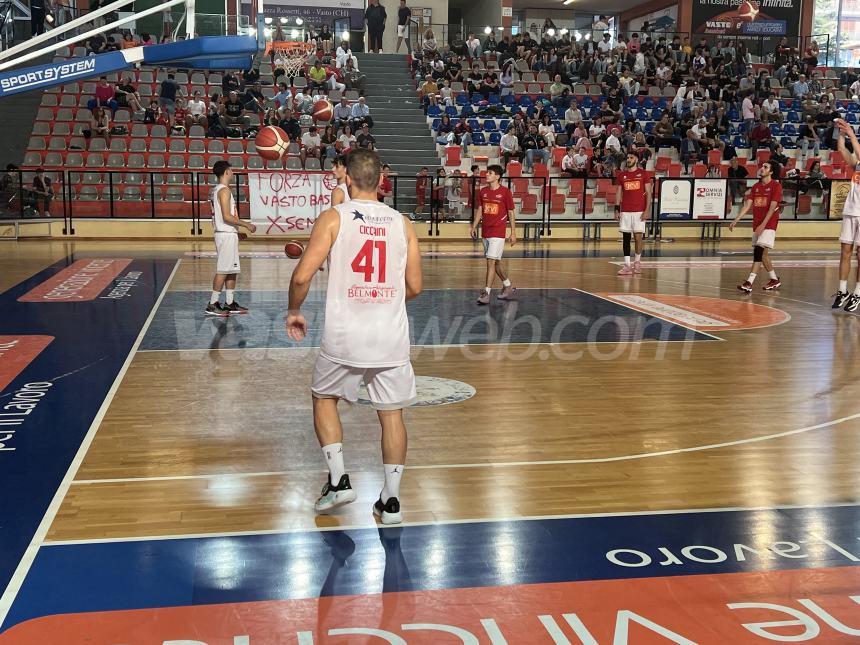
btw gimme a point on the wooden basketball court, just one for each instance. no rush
(580, 451)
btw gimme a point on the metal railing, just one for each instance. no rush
(543, 201)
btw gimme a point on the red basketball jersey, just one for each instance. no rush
(495, 207)
(633, 197)
(762, 195)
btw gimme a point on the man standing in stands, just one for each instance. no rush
(37, 17)
(375, 17)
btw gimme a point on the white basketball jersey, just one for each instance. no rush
(365, 315)
(218, 223)
(852, 202)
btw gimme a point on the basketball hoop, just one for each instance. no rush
(294, 55)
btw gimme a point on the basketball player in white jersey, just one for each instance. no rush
(850, 235)
(225, 223)
(374, 268)
(340, 194)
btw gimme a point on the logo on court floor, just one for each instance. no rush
(16, 353)
(706, 314)
(432, 390)
(82, 280)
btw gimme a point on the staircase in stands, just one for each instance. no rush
(400, 126)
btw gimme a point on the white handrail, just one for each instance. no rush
(53, 33)
(45, 50)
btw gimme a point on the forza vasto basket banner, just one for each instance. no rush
(746, 17)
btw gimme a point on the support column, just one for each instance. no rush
(507, 15)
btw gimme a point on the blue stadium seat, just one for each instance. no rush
(434, 111)
(851, 117)
(557, 125)
(489, 125)
(462, 99)
(788, 143)
(595, 111)
(467, 111)
(734, 115)
(656, 113)
(451, 111)
(775, 129)
(649, 127)
(436, 123)
(495, 99)
(648, 103)
(525, 101)
(478, 139)
(495, 138)
(642, 114)
(795, 105)
(632, 103)
(509, 100)
(475, 125)
(586, 102)
(789, 130)
(476, 98)
(504, 124)
(793, 117)
(662, 104)
(739, 142)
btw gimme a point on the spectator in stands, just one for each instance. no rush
(99, 124)
(690, 150)
(128, 40)
(575, 164)
(737, 174)
(127, 97)
(490, 43)
(42, 190)
(489, 84)
(559, 94)
(847, 78)
(385, 190)
(325, 37)
(353, 79)
(770, 110)
(361, 114)
(346, 141)
(229, 83)
(463, 134)
(747, 83)
(250, 77)
(596, 131)
(234, 112)
(343, 54)
(97, 45)
(422, 186)
(290, 124)
(365, 139)
(311, 145)
(546, 129)
(800, 90)
(814, 179)
(761, 137)
(664, 133)
(215, 122)
(428, 43)
(473, 46)
(778, 155)
(327, 142)
(445, 128)
(318, 77)
(748, 112)
(284, 98)
(176, 125)
(167, 95)
(253, 99)
(342, 113)
(105, 96)
(509, 147)
(604, 45)
(534, 147)
(196, 112)
(572, 118)
(152, 113)
(375, 17)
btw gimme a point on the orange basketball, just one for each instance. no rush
(272, 143)
(747, 10)
(323, 111)
(294, 249)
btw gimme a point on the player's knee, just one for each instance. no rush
(758, 253)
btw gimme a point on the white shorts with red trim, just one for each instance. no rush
(631, 222)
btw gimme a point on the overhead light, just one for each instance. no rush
(567, 2)
(588, 36)
(564, 31)
(268, 21)
(267, 32)
(487, 30)
(299, 22)
(294, 33)
(500, 29)
(252, 31)
(345, 35)
(578, 36)
(550, 32)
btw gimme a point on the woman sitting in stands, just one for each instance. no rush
(99, 124)
(325, 38)
(329, 141)
(128, 41)
(346, 141)
(429, 43)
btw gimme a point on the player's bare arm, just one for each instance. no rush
(512, 221)
(618, 202)
(744, 210)
(323, 235)
(414, 275)
(231, 217)
(646, 214)
(337, 197)
(846, 130)
(473, 230)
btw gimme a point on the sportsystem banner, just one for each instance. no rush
(746, 17)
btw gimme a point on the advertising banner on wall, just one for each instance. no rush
(675, 199)
(746, 17)
(317, 12)
(709, 198)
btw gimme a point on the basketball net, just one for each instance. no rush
(294, 54)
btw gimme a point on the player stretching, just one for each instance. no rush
(495, 213)
(764, 198)
(374, 268)
(225, 222)
(850, 235)
(632, 209)
(340, 194)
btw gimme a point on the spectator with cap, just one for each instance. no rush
(365, 139)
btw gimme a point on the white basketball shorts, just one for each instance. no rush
(631, 223)
(403, 31)
(227, 247)
(389, 388)
(494, 247)
(850, 230)
(766, 240)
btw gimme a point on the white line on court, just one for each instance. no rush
(508, 464)
(29, 556)
(372, 524)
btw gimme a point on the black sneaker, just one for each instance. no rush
(841, 297)
(334, 496)
(853, 303)
(215, 310)
(389, 512)
(235, 308)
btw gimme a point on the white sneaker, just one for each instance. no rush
(388, 513)
(333, 497)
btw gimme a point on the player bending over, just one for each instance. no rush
(374, 268)
(632, 210)
(764, 198)
(496, 212)
(225, 223)
(849, 238)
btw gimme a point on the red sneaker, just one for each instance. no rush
(484, 298)
(637, 267)
(746, 287)
(626, 270)
(772, 284)
(506, 293)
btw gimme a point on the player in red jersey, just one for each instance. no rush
(495, 212)
(632, 210)
(764, 198)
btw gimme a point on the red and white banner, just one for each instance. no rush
(82, 280)
(288, 202)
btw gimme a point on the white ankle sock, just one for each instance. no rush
(638, 257)
(506, 283)
(627, 260)
(752, 277)
(487, 289)
(772, 275)
(228, 296)
(216, 296)
(843, 286)
(333, 454)
(393, 473)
